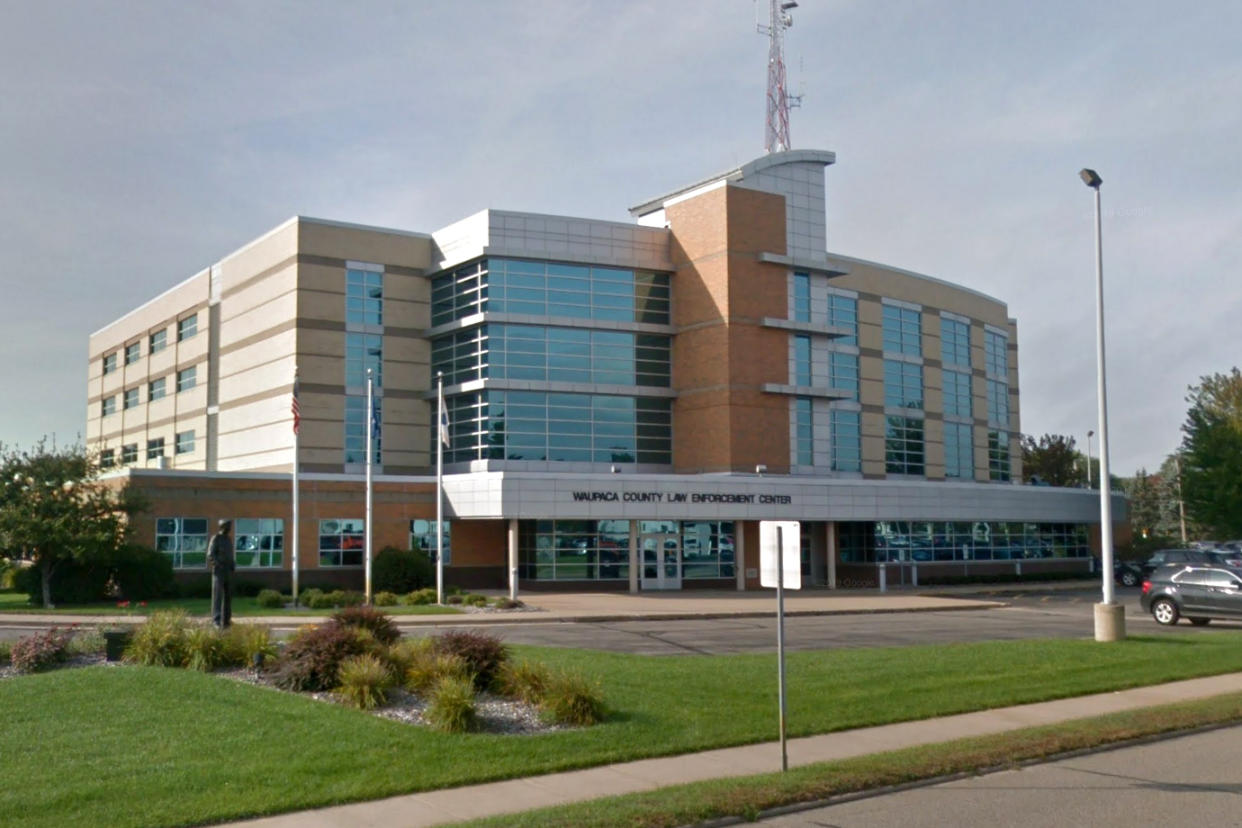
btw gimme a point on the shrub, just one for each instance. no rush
(270, 599)
(162, 641)
(483, 653)
(475, 600)
(523, 680)
(401, 570)
(369, 618)
(364, 681)
(243, 641)
(204, 648)
(507, 603)
(352, 598)
(74, 583)
(453, 599)
(6, 652)
(426, 667)
(426, 595)
(141, 573)
(87, 641)
(572, 699)
(41, 651)
(307, 597)
(451, 705)
(195, 586)
(6, 573)
(386, 599)
(324, 600)
(313, 657)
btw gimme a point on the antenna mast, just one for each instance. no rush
(780, 101)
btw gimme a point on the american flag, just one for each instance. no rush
(444, 421)
(293, 406)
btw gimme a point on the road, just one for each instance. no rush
(1188, 780)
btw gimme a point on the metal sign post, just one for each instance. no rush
(774, 537)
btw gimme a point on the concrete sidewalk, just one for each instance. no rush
(492, 799)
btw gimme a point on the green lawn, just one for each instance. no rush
(147, 746)
(13, 602)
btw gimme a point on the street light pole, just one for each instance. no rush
(1110, 618)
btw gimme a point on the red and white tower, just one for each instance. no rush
(779, 99)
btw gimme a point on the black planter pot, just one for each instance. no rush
(114, 643)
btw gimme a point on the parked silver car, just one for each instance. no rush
(1200, 593)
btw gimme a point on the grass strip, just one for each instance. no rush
(243, 607)
(747, 797)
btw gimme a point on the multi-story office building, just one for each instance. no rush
(625, 401)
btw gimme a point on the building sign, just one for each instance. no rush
(680, 497)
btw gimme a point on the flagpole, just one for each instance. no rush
(297, 417)
(440, 435)
(370, 435)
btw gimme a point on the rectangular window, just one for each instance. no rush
(129, 453)
(185, 442)
(996, 354)
(363, 351)
(155, 389)
(356, 430)
(423, 539)
(954, 342)
(844, 372)
(133, 352)
(903, 384)
(107, 406)
(998, 455)
(158, 341)
(184, 540)
(187, 327)
(341, 542)
(846, 441)
(802, 360)
(804, 433)
(957, 399)
(259, 543)
(107, 458)
(186, 378)
(998, 404)
(364, 297)
(959, 451)
(131, 399)
(903, 330)
(155, 448)
(109, 363)
(591, 550)
(903, 446)
(802, 297)
(843, 313)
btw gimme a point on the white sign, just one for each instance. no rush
(792, 553)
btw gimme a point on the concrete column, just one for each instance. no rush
(739, 554)
(635, 563)
(513, 559)
(830, 531)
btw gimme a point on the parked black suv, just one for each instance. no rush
(1171, 556)
(1200, 593)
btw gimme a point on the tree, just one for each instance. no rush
(1146, 504)
(54, 511)
(1053, 459)
(1212, 448)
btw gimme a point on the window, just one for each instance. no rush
(804, 443)
(846, 441)
(998, 455)
(903, 384)
(109, 363)
(107, 406)
(155, 389)
(341, 542)
(903, 330)
(893, 540)
(155, 448)
(843, 313)
(903, 445)
(996, 354)
(186, 378)
(187, 327)
(363, 351)
(182, 539)
(959, 451)
(957, 402)
(998, 404)
(423, 539)
(107, 458)
(954, 342)
(802, 297)
(133, 352)
(157, 341)
(356, 430)
(131, 398)
(185, 442)
(129, 453)
(844, 372)
(591, 550)
(364, 297)
(259, 542)
(802, 360)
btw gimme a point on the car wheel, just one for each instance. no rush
(1129, 579)
(1199, 622)
(1164, 611)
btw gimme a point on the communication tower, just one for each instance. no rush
(779, 99)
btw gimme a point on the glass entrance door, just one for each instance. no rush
(661, 561)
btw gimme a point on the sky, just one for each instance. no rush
(143, 141)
